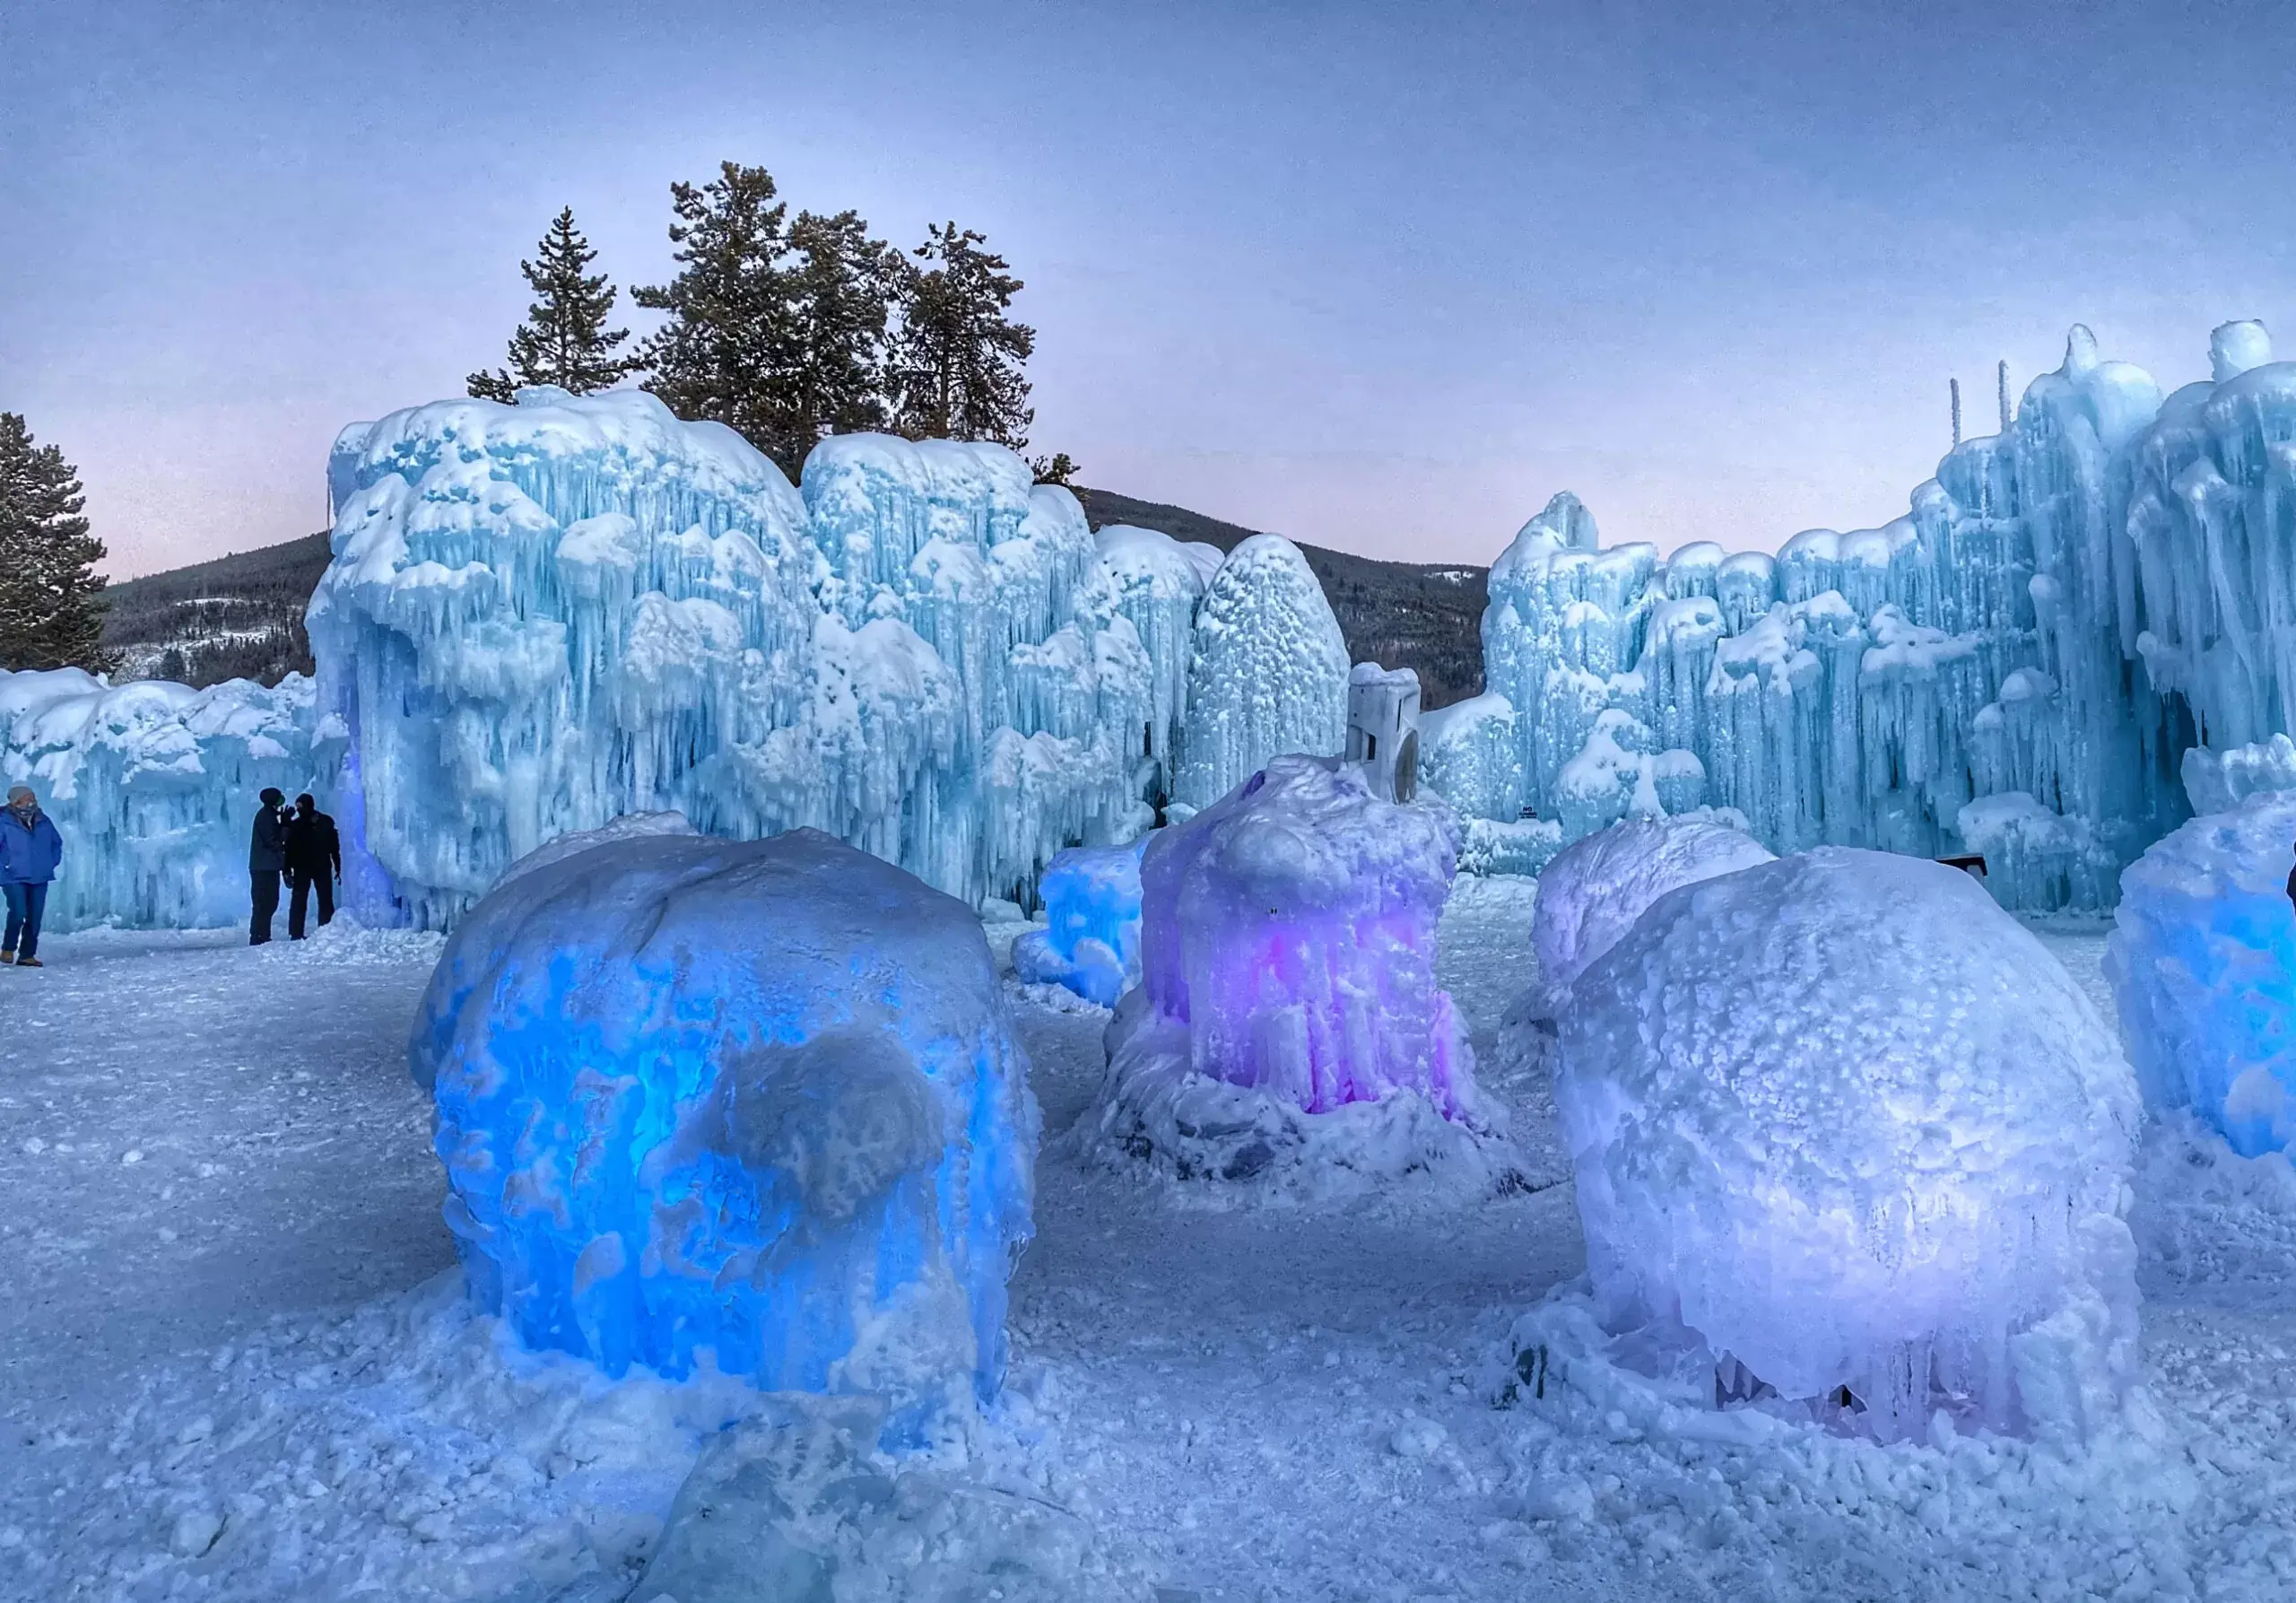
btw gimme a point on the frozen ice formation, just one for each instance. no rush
(756, 1105)
(1595, 889)
(153, 787)
(1839, 1121)
(1467, 757)
(2203, 964)
(2017, 666)
(1288, 1016)
(1268, 675)
(1091, 941)
(2220, 781)
(543, 616)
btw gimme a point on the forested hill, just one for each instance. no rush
(241, 617)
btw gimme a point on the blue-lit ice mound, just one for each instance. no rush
(2202, 962)
(1839, 1121)
(1091, 941)
(153, 786)
(1288, 1029)
(752, 1105)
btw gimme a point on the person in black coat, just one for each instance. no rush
(266, 863)
(314, 860)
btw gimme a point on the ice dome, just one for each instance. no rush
(752, 1105)
(1288, 1011)
(2203, 963)
(1595, 888)
(1851, 1126)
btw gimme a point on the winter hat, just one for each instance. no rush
(20, 796)
(272, 795)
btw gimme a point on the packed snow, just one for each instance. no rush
(751, 1106)
(2202, 958)
(1203, 1402)
(1843, 1129)
(1090, 941)
(1288, 1029)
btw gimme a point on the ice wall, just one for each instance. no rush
(2203, 964)
(153, 787)
(1268, 675)
(2016, 666)
(1840, 1121)
(543, 616)
(756, 1104)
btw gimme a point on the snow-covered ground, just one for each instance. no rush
(230, 1367)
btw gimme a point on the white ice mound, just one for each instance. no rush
(1595, 888)
(153, 787)
(752, 1105)
(1288, 1016)
(1091, 941)
(2203, 964)
(1851, 1126)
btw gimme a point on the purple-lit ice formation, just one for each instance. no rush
(1287, 1012)
(1091, 941)
(755, 1105)
(1839, 1121)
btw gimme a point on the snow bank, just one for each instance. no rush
(1839, 1121)
(1288, 1017)
(2203, 964)
(1091, 941)
(756, 1106)
(153, 787)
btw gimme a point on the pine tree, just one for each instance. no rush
(51, 598)
(564, 340)
(1059, 468)
(734, 336)
(844, 282)
(955, 367)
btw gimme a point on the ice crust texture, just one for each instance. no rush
(756, 1106)
(153, 787)
(1287, 1012)
(2203, 964)
(1091, 941)
(2014, 667)
(1851, 1125)
(1593, 891)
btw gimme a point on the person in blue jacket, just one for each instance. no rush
(29, 850)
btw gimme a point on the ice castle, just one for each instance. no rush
(2016, 668)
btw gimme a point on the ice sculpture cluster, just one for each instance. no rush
(2220, 781)
(1288, 1011)
(2203, 964)
(1268, 676)
(1839, 1121)
(2015, 668)
(153, 787)
(1091, 941)
(543, 616)
(754, 1104)
(1593, 891)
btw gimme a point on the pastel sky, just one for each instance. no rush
(1383, 278)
